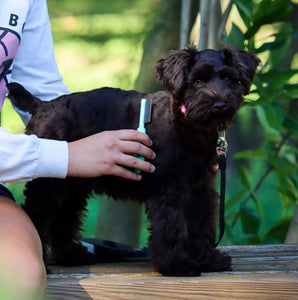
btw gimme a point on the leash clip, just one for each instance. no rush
(221, 149)
(222, 145)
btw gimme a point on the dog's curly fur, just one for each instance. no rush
(180, 197)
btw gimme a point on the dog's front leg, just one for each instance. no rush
(168, 243)
(201, 214)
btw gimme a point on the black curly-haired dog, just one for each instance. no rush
(205, 89)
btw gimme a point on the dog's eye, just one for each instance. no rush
(199, 82)
(228, 79)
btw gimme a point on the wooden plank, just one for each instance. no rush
(260, 272)
(264, 257)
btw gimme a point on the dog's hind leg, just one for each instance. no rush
(66, 226)
(168, 242)
(41, 203)
(201, 213)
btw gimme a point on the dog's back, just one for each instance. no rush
(78, 114)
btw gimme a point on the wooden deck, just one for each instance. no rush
(259, 272)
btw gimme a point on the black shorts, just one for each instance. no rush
(4, 191)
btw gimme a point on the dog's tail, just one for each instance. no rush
(21, 98)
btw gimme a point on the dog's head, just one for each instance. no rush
(207, 86)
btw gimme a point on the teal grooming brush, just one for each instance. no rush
(145, 117)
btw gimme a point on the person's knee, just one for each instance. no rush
(22, 271)
(30, 278)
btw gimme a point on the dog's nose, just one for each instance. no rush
(218, 106)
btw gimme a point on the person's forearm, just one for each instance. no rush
(25, 157)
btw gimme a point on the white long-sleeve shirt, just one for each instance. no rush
(27, 57)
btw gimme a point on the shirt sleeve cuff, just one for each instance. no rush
(53, 159)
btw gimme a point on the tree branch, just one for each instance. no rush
(224, 19)
(214, 21)
(204, 11)
(185, 21)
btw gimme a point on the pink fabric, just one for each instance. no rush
(9, 44)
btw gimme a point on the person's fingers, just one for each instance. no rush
(124, 168)
(133, 135)
(117, 143)
(135, 163)
(137, 148)
(120, 171)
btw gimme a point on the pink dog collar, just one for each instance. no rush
(183, 109)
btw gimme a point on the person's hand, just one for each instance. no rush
(110, 153)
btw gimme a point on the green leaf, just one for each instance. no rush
(290, 123)
(287, 187)
(236, 37)
(272, 134)
(229, 233)
(243, 174)
(245, 9)
(290, 91)
(231, 215)
(277, 78)
(252, 239)
(278, 231)
(249, 220)
(252, 98)
(285, 162)
(275, 115)
(258, 206)
(281, 40)
(286, 170)
(282, 44)
(268, 12)
(288, 197)
(251, 154)
(235, 199)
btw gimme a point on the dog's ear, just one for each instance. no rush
(172, 71)
(244, 61)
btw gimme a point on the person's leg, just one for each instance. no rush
(22, 271)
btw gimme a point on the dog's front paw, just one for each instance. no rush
(191, 270)
(217, 262)
(74, 255)
(179, 267)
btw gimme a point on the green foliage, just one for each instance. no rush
(271, 189)
(99, 43)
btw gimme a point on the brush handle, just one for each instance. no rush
(141, 128)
